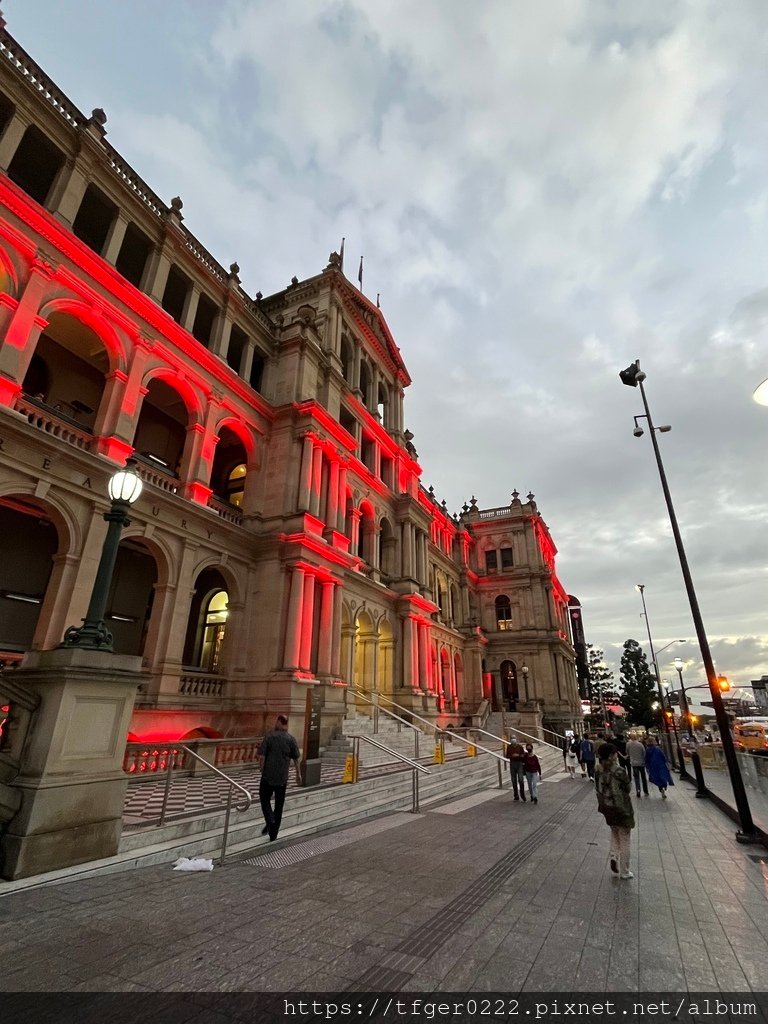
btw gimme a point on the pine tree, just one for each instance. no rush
(639, 685)
(601, 677)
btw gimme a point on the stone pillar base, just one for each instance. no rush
(70, 779)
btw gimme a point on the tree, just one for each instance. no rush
(639, 685)
(601, 677)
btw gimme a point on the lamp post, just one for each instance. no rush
(632, 377)
(124, 488)
(525, 670)
(683, 773)
(683, 697)
(640, 587)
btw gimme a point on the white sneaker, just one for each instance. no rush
(626, 874)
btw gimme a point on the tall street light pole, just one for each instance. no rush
(681, 762)
(632, 377)
(640, 587)
(124, 488)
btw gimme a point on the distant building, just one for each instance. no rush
(760, 691)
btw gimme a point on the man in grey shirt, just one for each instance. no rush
(277, 750)
(636, 755)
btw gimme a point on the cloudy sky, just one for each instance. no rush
(542, 193)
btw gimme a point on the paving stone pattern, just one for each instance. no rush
(503, 896)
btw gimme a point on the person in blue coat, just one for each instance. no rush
(657, 767)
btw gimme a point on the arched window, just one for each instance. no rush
(503, 612)
(236, 485)
(214, 624)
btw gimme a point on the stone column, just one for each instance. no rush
(424, 666)
(189, 309)
(332, 496)
(305, 475)
(336, 641)
(317, 481)
(326, 633)
(292, 650)
(408, 647)
(115, 237)
(355, 538)
(406, 548)
(12, 136)
(111, 402)
(342, 500)
(307, 621)
(20, 337)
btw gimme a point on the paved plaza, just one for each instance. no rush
(484, 894)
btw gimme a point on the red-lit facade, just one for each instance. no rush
(283, 538)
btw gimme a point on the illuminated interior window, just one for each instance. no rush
(503, 612)
(214, 627)
(236, 485)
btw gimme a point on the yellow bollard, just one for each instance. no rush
(471, 750)
(439, 757)
(349, 769)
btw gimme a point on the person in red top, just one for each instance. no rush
(532, 768)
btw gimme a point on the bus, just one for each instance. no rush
(751, 734)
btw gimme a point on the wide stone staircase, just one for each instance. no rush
(385, 787)
(385, 730)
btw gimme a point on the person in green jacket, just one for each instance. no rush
(615, 804)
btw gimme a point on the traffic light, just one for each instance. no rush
(723, 684)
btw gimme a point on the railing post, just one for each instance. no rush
(416, 745)
(226, 826)
(355, 758)
(501, 779)
(375, 718)
(415, 808)
(442, 748)
(166, 791)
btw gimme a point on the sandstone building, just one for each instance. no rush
(283, 539)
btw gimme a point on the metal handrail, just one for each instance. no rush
(391, 714)
(528, 735)
(232, 784)
(401, 757)
(429, 725)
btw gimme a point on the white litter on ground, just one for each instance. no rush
(193, 864)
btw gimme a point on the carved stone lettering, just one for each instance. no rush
(87, 483)
(155, 510)
(184, 524)
(46, 463)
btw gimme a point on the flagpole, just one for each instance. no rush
(360, 274)
(341, 253)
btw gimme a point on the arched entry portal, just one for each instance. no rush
(207, 623)
(506, 691)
